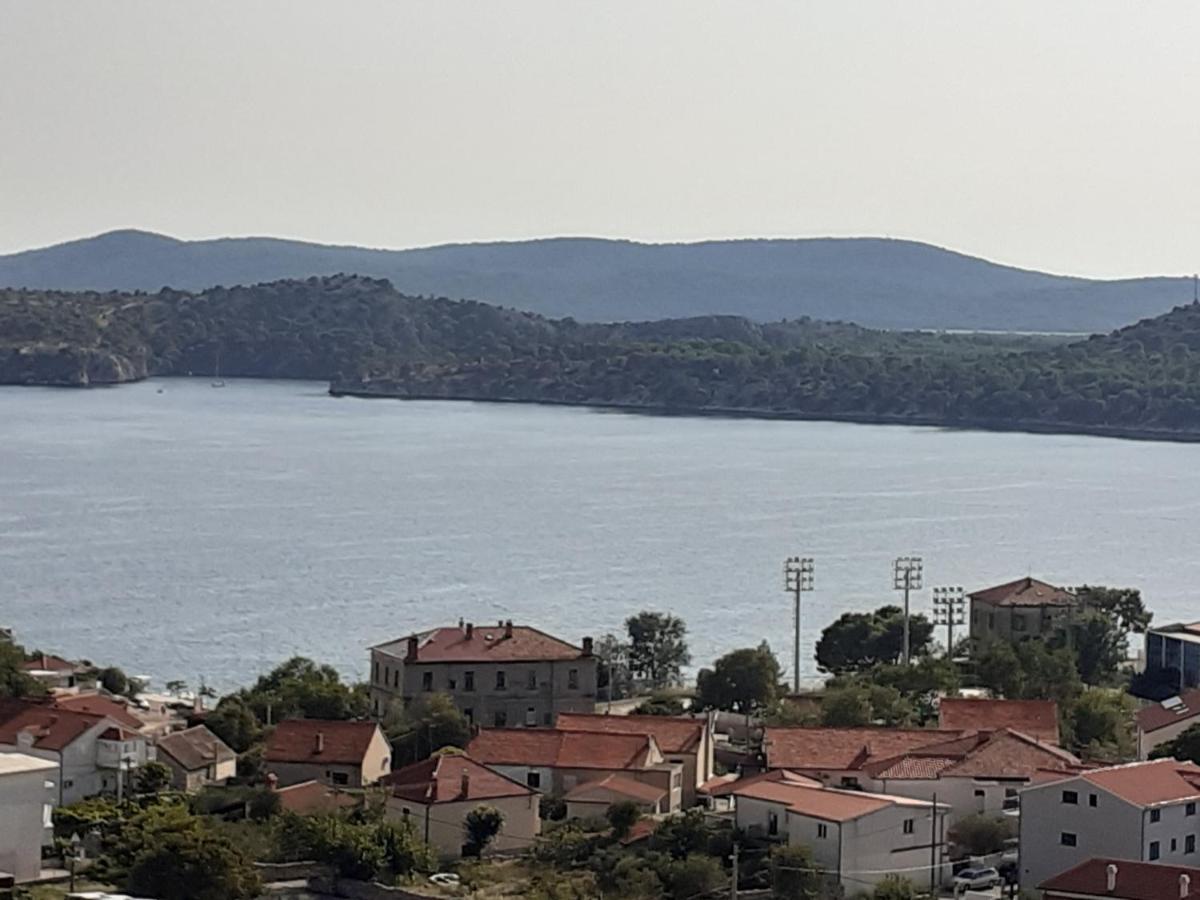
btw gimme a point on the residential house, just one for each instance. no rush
(1143, 811)
(1019, 609)
(685, 740)
(591, 799)
(196, 757)
(1173, 655)
(1123, 879)
(55, 672)
(856, 836)
(94, 703)
(1159, 723)
(502, 676)
(717, 793)
(555, 761)
(25, 798)
(95, 754)
(337, 752)
(1036, 718)
(307, 798)
(436, 795)
(837, 756)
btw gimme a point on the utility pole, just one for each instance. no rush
(933, 847)
(733, 875)
(906, 576)
(949, 609)
(797, 578)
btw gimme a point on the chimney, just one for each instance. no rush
(508, 628)
(25, 739)
(319, 742)
(1185, 884)
(587, 646)
(272, 782)
(1111, 871)
(470, 630)
(411, 654)
(466, 784)
(460, 623)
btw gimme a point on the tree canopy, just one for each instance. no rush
(858, 641)
(428, 724)
(657, 648)
(743, 681)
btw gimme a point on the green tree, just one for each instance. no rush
(682, 834)
(614, 681)
(113, 680)
(794, 874)
(301, 688)
(1184, 746)
(847, 707)
(14, 680)
(1100, 725)
(981, 834)
(857, 641)
(622, 816)
(657, 648)
(660, 704)
(481, 825)
(694, 876)
(998, 669)
(153, 778)
(743, 681)
(234, 722)
(430, 723)
(895, 887)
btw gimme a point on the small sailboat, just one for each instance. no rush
(217, 382)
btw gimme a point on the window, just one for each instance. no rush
(1174, 845)
(1092, 800)
(468, 681)
(1189, 844)
(396, 678)
(1190, 809)
(501, 680)
(981, 794)
(1155, 815)
(340, 778)
(500, 718)
(427, 681)
(573, 679)
(375, 671)
(530, 717)
(1070, 797)
(546, 718)
(1067, 839)
(677, 780)
(531, 680)
(772, 823)
(1018, 622)
(1154, 853)
(533, 779)
(991, 620)
(822, 831)
(387, 674)
(849, 781)
(469, 714)
(451, 683)
(974, 617)
(908, 826)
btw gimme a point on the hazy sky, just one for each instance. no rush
(1056, 135)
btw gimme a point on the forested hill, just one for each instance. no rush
(366, 338)
(876, 282)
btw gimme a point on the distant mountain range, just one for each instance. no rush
(876, 282)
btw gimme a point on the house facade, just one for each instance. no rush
(437, 795)
(335, 752)
(196, 757)
(1145, 811)
(502, 676)
(590, 800)
(24, 812)
(1017, 610)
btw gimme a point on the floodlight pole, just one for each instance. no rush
(906, 576)
(949, 609)
(797, 578)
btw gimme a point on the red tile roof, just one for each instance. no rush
(1135, 880)
(621, 785)
(1036, 718)
(341, 742)
(1157, 781)
(673, 734)
(309, 797)
(724, 785)
(485, 643)
(48, 662)
(557, 749)
(195, 748)
(52, 729)
(451, 778)
(823, 803)
(803, 749)
(982, 754)
(1159, 715)
(98, 705)
(1025, 592)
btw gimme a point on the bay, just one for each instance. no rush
(179, 530)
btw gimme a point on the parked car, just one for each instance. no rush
(969, 879)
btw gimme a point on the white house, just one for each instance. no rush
(857, 836)
(1144, 811)
(25, 794)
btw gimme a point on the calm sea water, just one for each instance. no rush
(183, 531)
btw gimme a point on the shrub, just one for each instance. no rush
(981, 834)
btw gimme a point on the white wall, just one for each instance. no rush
(23, 801)
(959, 793)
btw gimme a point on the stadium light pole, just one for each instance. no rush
(906, 576)
(949, 609)
(797, 578)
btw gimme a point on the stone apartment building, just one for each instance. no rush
(499, 676)
(1017, 610)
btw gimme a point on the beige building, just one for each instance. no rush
(436, 796)
(1018, 610)
(556, 762)
(591, 799)
(196, 757)
(340, 753)
(24, 813)
(502, 676)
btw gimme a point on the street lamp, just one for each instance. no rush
(949, 609)
(797, 578)
(906, 576)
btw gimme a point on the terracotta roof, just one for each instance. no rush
(309, 797)
(1135, 880)
(914, 768)
(982, 754)
(195, 748)
(48, 662)
(1036, 718)
(1156, 781)
(52, 729)
(1176, 709)
(803, 748)
(340, 742)
(485, 643)
(620, 785)
(442, 779)
(558, 749)
(98, 705)
(824, 803)
(1025, 592)
(725, 785)
(640, 831)
(673, 734)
